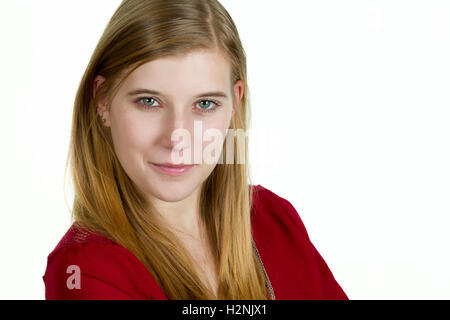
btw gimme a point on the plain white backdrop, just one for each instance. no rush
(350, 123)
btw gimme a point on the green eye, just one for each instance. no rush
(148, 103)
(207, 105)
(148, 99)
(203, 105)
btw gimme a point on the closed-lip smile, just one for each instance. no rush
(172, 169)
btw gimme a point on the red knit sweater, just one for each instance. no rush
(89, 266)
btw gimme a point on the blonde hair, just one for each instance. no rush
(107, 202)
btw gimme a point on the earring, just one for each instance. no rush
(104, 119)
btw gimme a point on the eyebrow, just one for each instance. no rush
(219, 94)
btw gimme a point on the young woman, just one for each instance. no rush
(146, 226)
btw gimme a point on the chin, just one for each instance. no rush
(173, 192)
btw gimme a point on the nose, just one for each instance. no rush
(177, 122)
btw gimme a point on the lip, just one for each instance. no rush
(172, 169)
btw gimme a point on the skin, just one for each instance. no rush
(144, 135)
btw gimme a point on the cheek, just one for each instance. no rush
(221, 122)
(216, 127)
(214, 136)
(131, 133)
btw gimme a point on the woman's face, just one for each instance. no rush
(172, 97)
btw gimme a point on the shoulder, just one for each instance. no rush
(295, 267)
(86, 265)
(271, 208)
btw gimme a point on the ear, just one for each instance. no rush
(102, 108)
(238, 93)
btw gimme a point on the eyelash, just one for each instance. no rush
(217, 103)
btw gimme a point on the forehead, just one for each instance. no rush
(191, 73)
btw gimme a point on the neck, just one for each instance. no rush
(183, 216)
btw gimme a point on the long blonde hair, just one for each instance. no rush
(107, 202)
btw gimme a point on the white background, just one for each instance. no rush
(351, 124)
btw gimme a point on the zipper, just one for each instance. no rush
(272, 294)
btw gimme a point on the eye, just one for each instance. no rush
(209, 106)
(147, 103)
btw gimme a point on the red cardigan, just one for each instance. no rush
(89, 266)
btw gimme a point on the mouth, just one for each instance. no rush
(172, 169)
